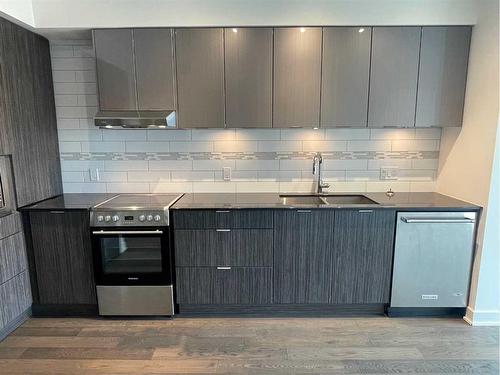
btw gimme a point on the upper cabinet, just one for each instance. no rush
(248, 56)
(345, 76)
(394, 75)
(200, 77)
(135, 69)
(444, 55)
(297, 77)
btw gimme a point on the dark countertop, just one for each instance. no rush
(74, 201)
(421, 201)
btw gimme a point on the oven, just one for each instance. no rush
(133, 270)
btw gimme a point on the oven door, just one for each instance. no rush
(132, 256)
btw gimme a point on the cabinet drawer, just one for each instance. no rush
(15, 295)
(208, 219)
(12, 257)
(10, 224)
(224, 285)
(224, 247)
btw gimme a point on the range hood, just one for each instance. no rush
(135, 119)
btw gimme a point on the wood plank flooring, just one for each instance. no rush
(372, 345)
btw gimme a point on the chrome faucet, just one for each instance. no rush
(320, 185)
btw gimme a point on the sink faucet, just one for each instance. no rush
(320, 185)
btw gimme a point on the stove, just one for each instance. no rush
(138, 210)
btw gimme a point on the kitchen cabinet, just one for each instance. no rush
(135, 69)
(200, 77)
(444, 55)
(362, 256)
(248, 54)
(28, 129)
(63, 257)
(297, 77)
(393, 76)
(345, 76)
(303, 250)
(204, 219)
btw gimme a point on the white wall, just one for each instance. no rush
(467, 157)
(18, 10)
(126, 13)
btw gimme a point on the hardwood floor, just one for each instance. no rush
(251, 346)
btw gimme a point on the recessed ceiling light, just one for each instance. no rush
(302, 29)
(108, 127)
(315, 128)
(361, 30)
(235, 30)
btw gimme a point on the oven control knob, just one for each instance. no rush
(100, 218)
(142, 217)
(116, 218)
(157, 217)
(107, 218)
(150, 218)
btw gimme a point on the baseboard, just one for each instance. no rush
(9, 328)
(47, 311)
(293, 310)
(482, 317)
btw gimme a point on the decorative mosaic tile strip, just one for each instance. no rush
(336, 155)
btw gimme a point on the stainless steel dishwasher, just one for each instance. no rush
(432, 259)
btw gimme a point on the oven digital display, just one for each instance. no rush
(129, 218)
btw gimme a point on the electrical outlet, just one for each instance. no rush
(389, 173)
(226, 173)
(94, 174)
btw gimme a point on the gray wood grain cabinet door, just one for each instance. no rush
(249, 77)
(363, 251)
(345, 76)
(154, 64)
(63, 258)
(115, 69)
(303, 251)
(200, 77)
(297, 77)
(393, 77)
(444, 55)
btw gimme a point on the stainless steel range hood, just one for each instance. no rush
(135, 119)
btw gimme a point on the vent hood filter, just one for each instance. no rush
(135, 119)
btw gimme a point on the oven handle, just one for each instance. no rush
(106, 232)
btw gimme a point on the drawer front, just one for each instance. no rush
(211, 219)
(15, 296)
(224, 285)
(224, 247)
(12, 257)
(10, 224)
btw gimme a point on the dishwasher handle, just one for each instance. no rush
(449, 220)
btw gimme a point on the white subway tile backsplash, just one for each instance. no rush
(180, 146)
(124, 135)
(369, 145)
(171, 165)
(347, 134)
(125, 165)
(149, 176)
(103, 146)
(147, 146)
(415, 145)
(166, 161)
(324, 146)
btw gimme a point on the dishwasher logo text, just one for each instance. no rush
(430, 296)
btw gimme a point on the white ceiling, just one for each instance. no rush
(54, 18)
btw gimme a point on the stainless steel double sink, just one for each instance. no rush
(325, 200)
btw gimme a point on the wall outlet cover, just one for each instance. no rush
(389, 173)
(226, 173)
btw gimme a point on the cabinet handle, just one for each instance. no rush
(56, 212)
(223, 268)
(303, 211)
(410, 220)
(222, 212)
(223, 230)
(365, 211)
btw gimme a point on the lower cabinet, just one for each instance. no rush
(63, 257)
(224, 285)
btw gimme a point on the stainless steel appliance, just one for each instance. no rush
(7, 203)
(135, 119)
(132, 250)
(433, 259)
